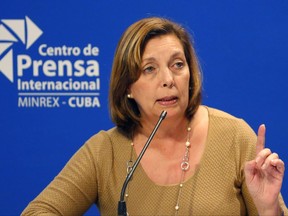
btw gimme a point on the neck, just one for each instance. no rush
(168, 128)
(172, 132)
(172, 128)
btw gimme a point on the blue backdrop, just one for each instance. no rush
(55, 63)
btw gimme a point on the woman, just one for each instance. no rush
(201, 161)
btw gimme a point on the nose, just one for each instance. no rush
(167, 78)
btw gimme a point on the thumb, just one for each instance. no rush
(249, 170)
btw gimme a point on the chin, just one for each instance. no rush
(174, 113)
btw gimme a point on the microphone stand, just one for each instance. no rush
(122, 211)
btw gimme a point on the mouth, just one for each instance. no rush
(167, 100)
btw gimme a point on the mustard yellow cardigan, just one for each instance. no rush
(95, 175)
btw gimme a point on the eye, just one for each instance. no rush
(178, 65)
(149, 69)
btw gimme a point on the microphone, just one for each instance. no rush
(122, 211)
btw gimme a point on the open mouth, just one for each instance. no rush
(168, 100)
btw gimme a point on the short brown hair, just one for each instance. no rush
(126, 70)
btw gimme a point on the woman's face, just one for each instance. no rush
(164, 80)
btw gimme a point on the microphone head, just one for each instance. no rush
(163, 114)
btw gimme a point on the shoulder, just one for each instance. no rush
(105, 135)
(232, 132)
(226, 118)
(107, 138)
(106, 144)
(216, 113)
(222, 121)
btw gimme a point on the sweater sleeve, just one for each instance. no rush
(74, 189)
(247, 142)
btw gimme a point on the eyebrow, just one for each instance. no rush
(148, 59)
(176, 54)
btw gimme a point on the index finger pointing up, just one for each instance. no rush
(260, 145)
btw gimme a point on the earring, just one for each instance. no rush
(129, 96)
